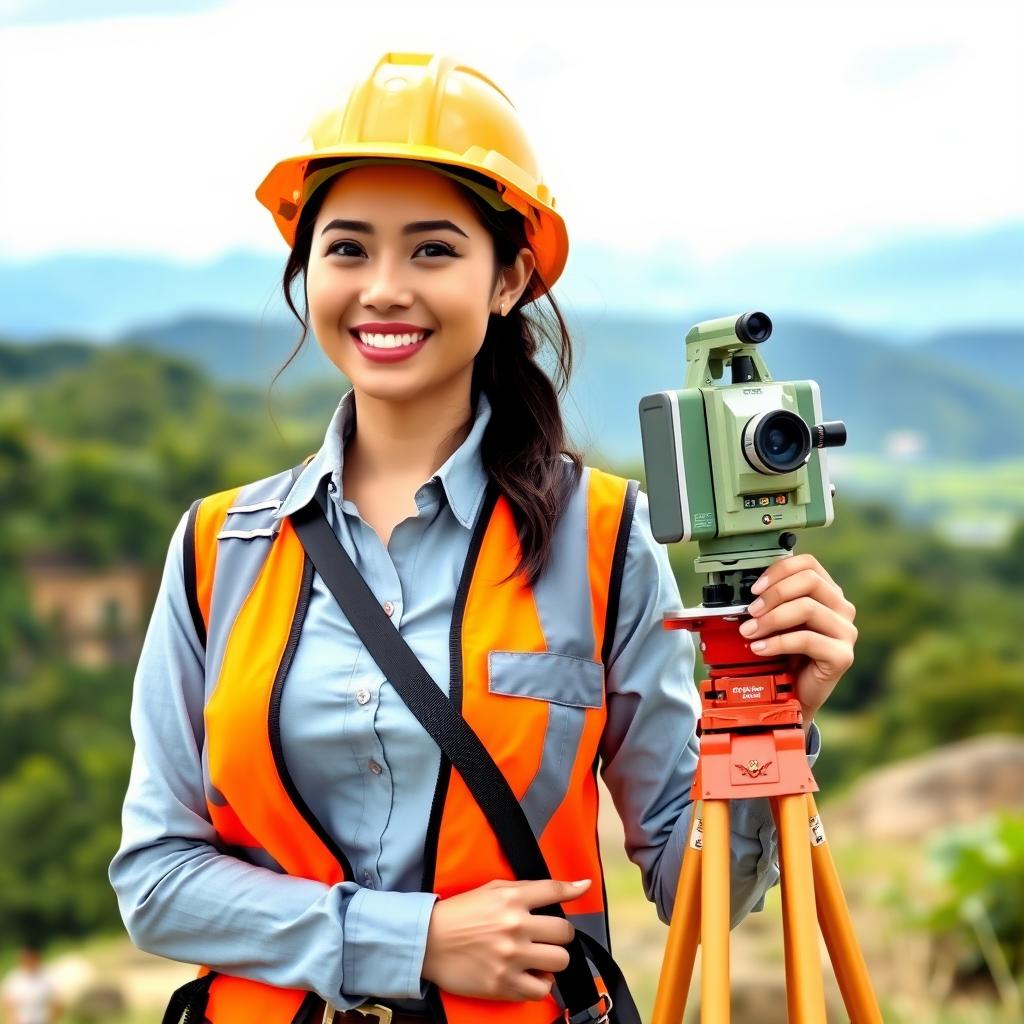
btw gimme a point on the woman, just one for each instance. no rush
(307, 843)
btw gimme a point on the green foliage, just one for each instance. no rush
(978, 901)
(1008, 565)
(121, 396)
(946, 686)
(41, 360)
(983, 868)
(65, 752)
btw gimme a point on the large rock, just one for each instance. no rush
(102, 1001)
(951, 785)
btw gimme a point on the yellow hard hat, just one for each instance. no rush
(430, 108)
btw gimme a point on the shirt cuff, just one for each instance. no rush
(385, 943)
(813, 747)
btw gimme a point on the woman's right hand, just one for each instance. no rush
(486, 943)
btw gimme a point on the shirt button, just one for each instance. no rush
(362, 695)
(367, 879)
(375, 768)
(388, 608)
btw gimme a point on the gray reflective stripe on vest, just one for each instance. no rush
(593, 924)
(240, 556)
(246, 534)
(239, 561)
(562, 593)
(564, 606)
(259, 506)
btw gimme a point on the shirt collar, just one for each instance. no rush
(462, 477)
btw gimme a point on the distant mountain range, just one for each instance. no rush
(956, 397)
(903, 290)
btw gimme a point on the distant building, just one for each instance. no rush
(99, 615)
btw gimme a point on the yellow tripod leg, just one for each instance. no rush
(834, 918)
(787, 942)
(683, 932)
(805, 989)
(714, 919)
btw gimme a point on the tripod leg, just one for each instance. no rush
(834, 918)
(804, 975)
(714, 920)
(683, 931)
(787, 942)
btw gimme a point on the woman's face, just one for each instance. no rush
(373, 261)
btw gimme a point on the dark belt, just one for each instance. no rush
(374, 1013)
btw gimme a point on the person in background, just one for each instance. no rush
(27, 994)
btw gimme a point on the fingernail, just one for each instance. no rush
(759, 645)
(757, 586)
(748, 627)
(582, 881)
(756, 607)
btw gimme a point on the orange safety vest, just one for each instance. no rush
(258, 808)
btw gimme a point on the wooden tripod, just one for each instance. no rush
(752, 744)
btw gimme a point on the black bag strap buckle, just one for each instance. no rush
(596, 1014)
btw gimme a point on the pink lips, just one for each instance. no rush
(389, 355)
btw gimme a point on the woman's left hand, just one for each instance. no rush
(801, 611)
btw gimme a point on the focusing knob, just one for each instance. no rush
(717, 595)
(746, 582)
(787, 540)
(829, 435)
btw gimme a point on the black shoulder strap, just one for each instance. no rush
(461, 745)
(191, 579)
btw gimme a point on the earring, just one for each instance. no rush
(503, 309)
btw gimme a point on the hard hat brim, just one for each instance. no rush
(281, 190)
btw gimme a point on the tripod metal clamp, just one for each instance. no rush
(596, 1014)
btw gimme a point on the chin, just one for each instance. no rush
(375, 386)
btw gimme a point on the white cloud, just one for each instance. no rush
(712, 127)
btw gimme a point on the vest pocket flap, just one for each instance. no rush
(264, 531)
(547, 675)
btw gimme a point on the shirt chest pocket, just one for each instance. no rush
(548, 676)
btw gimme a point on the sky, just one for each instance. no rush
(703, 127)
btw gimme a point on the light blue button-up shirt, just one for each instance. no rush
(367, 769)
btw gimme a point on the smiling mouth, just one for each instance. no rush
(390, 341)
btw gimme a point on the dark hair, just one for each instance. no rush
(522, 448)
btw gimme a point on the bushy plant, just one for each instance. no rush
(977, 906)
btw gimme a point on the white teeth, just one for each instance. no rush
(390, 340)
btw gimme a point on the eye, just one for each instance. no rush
(334, 249)
(446, 250)
(331, 249)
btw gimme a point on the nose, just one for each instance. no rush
(385, 287)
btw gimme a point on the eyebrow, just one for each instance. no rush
(409, 229)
